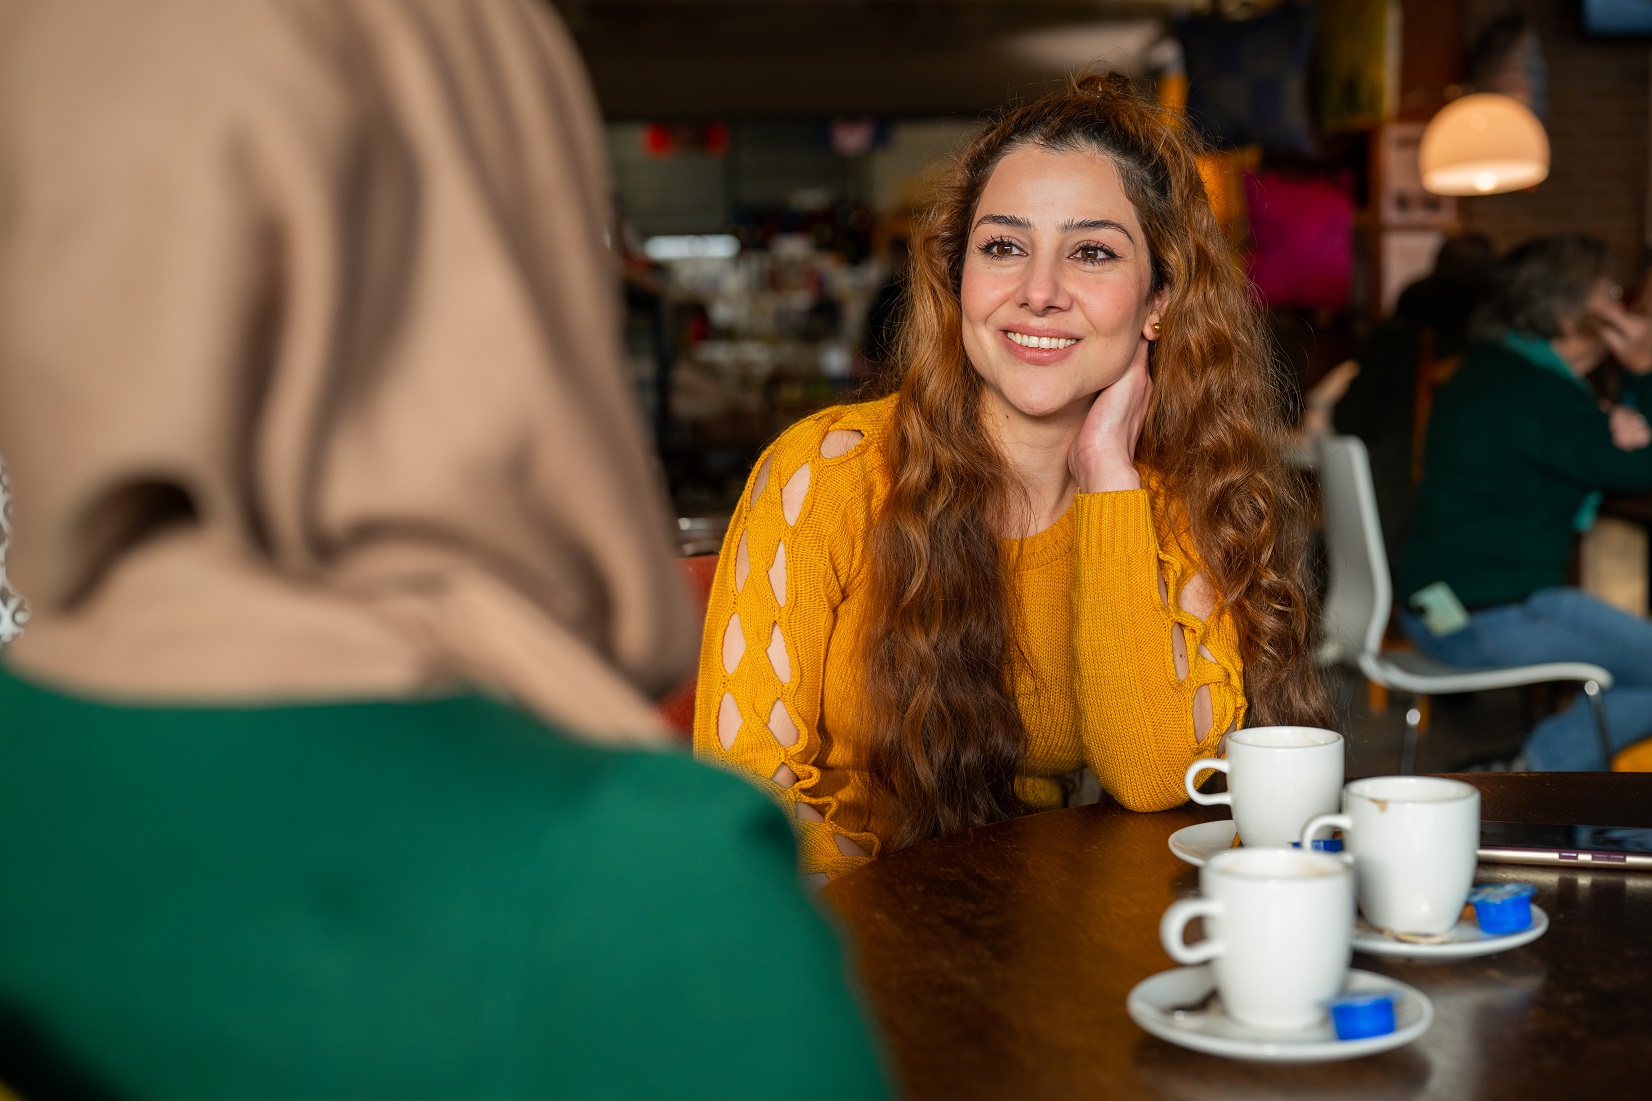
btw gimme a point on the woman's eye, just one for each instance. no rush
(1093, 254)
(998, 248)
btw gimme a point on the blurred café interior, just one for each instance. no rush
(769, 159)
(526, 885)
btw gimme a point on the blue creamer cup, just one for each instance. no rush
(1322, 844)
(1358, 1016)
(1503, 907)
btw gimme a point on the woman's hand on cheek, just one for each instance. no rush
(1102, 458)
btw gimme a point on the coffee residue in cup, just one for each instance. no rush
(1404, 938)
(1416, 938)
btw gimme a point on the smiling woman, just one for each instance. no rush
(1057, 295)
(1067, 539)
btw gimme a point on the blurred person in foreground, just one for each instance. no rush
(327, 767)
(1068, 539)
(1519, 452)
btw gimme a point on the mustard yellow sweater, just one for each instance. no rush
(779, 675)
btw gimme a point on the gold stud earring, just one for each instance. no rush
(1156, 328)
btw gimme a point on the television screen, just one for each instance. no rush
(1618, 18)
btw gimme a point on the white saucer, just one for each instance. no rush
(1152, 1001)
(1464, 940)
(1197, 844)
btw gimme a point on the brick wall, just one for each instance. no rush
(1600, 109)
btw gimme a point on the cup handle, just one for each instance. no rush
(1325, 822)
(1174, 923)
(1221, 798)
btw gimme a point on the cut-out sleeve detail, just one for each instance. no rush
(847, 846)
(728, 721)
(1199, 600)
(781, 726)
(839, 442)
(792, 496)
(778, 657)
(777, 575)
(742, 563)
(734, 644)
(1140, 659)
(790, 517)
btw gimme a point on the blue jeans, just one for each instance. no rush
(1560, 625)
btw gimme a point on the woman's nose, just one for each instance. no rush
(1042, 290)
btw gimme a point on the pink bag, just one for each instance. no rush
(1302, 240)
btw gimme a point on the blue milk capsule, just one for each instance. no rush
(1322, 844)
(1358, 1016)
(1503, 907)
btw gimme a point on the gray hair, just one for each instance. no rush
(1541, 283)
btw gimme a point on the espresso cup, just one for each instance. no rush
(1413, 841)
(1278, 778)
(1277, 929)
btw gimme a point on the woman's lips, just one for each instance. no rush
(1027, 340)
(1038, 348)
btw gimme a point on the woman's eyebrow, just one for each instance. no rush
(1014, 221)
(1096, 223)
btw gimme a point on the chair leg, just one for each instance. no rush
(1376, 696)
(1413, 727)
(1597, 705)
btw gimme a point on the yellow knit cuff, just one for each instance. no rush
(1114, 524)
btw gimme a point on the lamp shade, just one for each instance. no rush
(1483, 144)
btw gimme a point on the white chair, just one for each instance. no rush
(1357, 608)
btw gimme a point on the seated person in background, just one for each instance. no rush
(1069, 538)
(1518, 454)
(349, 581)
(1380, 405)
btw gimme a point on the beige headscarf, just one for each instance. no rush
(310, 373)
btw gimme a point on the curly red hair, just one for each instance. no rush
(946, 735)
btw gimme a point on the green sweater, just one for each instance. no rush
(1513, 452)
(437, 899)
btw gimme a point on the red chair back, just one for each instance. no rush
(677, 709)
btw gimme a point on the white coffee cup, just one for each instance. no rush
(1278, 778)
(1413, 842)
(1277, 929)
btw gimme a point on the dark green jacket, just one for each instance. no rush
(1513, 450)
(436, 899)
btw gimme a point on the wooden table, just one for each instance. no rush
(998, 962)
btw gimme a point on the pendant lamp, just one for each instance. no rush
(1483, 144)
